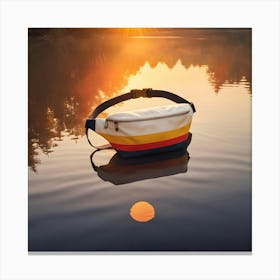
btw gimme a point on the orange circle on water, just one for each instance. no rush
(142, 211)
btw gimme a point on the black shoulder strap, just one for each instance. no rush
(134, 93)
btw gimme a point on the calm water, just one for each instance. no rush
(198, 201)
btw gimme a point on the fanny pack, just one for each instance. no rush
(145, 131)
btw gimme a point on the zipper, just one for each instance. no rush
(116, 123)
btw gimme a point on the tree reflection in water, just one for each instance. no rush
(70, 71)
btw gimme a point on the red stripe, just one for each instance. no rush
(141, 147)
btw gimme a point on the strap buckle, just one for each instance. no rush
(90, 123)
(136, 93)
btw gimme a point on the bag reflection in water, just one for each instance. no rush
(127, 170)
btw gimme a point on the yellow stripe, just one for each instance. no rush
(149, 138)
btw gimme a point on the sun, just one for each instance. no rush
(142, 211)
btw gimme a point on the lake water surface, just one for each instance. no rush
(197, 201)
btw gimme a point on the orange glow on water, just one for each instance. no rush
(142, 211)
(85, 67)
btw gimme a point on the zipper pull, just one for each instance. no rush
(106, 123)
(116, 126)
